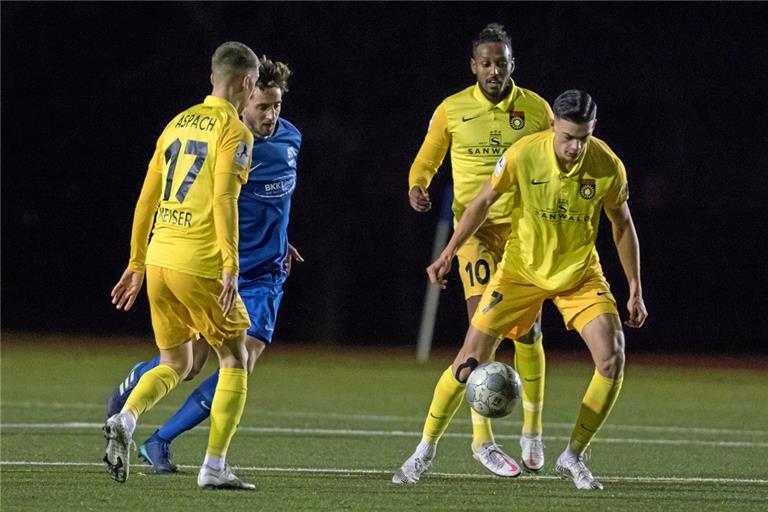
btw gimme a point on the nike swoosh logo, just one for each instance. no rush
(532, 380)
(601, 293)
(438, 417)
(204, 405)
(585, 428)
(257, 166)
(534, 182)
(464, 119)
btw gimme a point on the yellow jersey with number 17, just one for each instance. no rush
(560, 212)
(193, 181)
(478, 132)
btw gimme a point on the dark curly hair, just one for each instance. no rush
(493, 33)
(273, 74)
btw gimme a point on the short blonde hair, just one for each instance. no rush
(232, 58)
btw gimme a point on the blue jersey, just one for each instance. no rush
(265, 204)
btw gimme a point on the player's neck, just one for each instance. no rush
(564, 166)
(228, 93)
(497, 99)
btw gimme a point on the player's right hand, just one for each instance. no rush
(419, 199)
(439, 269)
(127, 289)
(228, 293)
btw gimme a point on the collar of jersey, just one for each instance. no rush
(503, 105)
(215, 101)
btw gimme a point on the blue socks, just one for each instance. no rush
(196, 409)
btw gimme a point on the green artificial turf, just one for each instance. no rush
(324, 428)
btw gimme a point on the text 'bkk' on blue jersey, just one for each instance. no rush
(265, 204)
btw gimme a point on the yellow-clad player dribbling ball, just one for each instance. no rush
(493, 389)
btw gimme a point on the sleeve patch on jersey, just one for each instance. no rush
(242, 154)
(499, 166)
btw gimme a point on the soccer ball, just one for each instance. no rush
(493, 389)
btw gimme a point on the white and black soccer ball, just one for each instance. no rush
(493, 389)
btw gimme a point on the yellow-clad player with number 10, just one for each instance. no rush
(479, 124)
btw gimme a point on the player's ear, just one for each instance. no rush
(248, 82)
(552, 124)
(212, 79)
(512, 66)
(473, 65)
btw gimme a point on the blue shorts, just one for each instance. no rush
(262, 302)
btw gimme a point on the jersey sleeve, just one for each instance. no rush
(619, 191)
(146, 206)
(504, 175)
(230, 172)
(432, 151)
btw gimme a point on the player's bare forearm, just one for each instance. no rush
(628, 249)
(627, 246)
(471, 220)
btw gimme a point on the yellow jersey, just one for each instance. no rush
(478, 132)
(559, 213)
(190, 192)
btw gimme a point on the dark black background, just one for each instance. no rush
(681, 94)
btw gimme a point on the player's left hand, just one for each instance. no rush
(228, 293)
(293, 254)
(637, 312)
(127, 289)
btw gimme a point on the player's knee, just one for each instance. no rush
(612, 364)
(463, 370)
(531, 336)
(181, 367)
(193, 371)
(255, 348)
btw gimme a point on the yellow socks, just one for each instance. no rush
(482, 432)
(153, 385)
(445, 402)
(595, 408)
(226, 409)
(530, 365)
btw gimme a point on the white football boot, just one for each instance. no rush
(573, 467)
(496, 461)
(117, 455)
(209, 478)
(532, 452)
(415, 466)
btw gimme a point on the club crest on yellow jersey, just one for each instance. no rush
(587, 189)
(517, 119)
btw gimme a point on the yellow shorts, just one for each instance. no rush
(479, 256)
(509, 306)
(184, 306)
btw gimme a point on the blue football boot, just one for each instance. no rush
(156, 451)
(119, 396)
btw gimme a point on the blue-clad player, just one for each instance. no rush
(265, 255)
